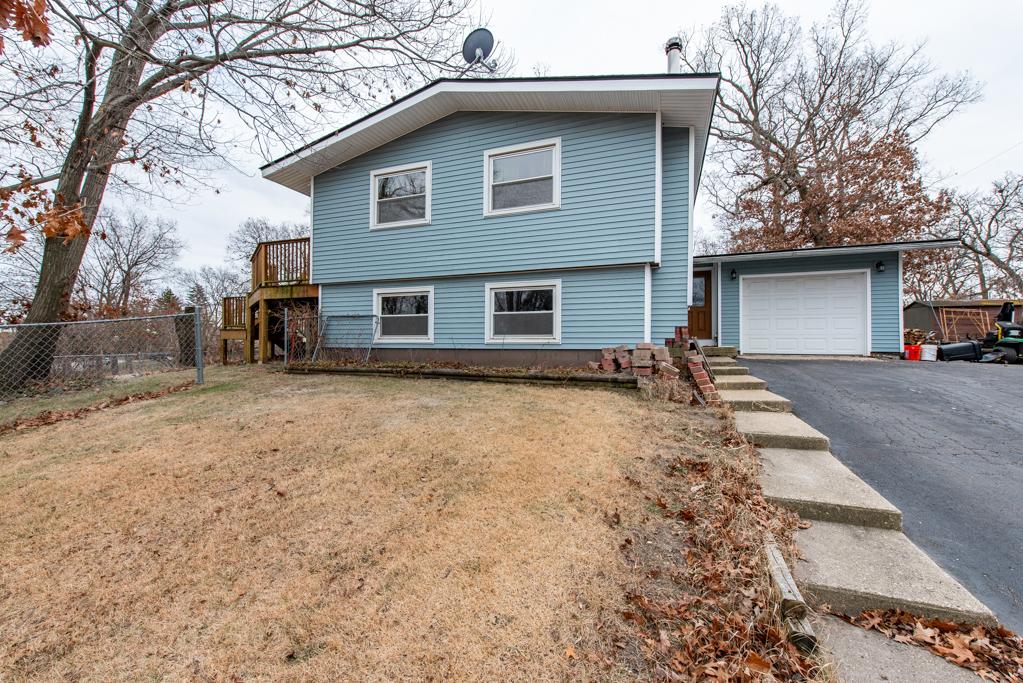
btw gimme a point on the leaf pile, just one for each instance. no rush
(49, 417)
(994, 654)
(701, 606)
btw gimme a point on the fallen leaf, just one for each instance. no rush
(757, 664)
(570, 652)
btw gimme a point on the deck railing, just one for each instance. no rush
(283, 262)
(234, 313)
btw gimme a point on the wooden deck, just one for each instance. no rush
(280, 279)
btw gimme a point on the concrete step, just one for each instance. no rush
(817, 486)
(728, 351)
(736, 382)
(755, 399)
(855, 568)
(723, 370)
(721, 361)
(779, 430)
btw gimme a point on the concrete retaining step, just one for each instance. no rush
(718, 361)
(729, 351)
(779, 430)
(856, 568)
(736, 382)
(728, 370)
(817, 486)
(755, 399)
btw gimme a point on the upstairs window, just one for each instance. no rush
(524, 312)
(400, 196)
(405, 314)
(523, 178)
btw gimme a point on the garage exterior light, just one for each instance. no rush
(879, 266)
(733, 274)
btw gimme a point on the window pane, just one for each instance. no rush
(526, 193)
(406, 326)
(520, 300)
(401, 185)
(405, 209)
(699, 284)
(526, 165)
(524, 324)
(405, 304)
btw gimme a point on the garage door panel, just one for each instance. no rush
(805, 314)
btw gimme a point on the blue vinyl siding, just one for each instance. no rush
(885, 304)
(670, 282)
(606, 215)
(599, 307)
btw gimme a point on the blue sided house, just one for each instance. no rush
(515, 221)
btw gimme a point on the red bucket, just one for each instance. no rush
(912, 352)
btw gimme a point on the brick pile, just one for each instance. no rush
(701, 378)
(646, 360)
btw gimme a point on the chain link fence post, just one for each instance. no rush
(200, 356)
(286, 335)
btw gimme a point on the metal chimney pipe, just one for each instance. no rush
(673, 48)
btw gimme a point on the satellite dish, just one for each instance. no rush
(477, 47)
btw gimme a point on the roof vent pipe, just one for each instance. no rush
(674, 50)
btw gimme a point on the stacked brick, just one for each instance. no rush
(646, 360)
(701, 378)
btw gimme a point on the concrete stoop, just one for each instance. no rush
(817, 486)
(727, 351)
(737, 382)
(779, 430)
(754, 399)
(855, 568)
(722, 370)
(720, 361)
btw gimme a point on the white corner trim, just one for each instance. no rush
(383, 291)
(647, 303)
(902, 304)
(312, 224)
(394, 170)
(716, 328)
(489, 287)
(689, 214)
(488, 156)
(658, 186)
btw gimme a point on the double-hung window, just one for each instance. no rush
(524, 312)
(523, 178)
(404, 314)
(400, 196)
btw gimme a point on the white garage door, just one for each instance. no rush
(805, 314)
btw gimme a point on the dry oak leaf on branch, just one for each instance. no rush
(27, 16)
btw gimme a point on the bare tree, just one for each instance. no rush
(136, 251)
(990, 227)
(815, 130)
(136, 91)
(242, 241)
(205, 288)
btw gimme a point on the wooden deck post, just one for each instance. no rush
(264, 332)
(247, 351)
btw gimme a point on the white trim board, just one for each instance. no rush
(868, 294)
(489, 287)
(648, 318)
(658, 186)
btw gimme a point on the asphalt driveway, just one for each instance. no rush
(943, 442)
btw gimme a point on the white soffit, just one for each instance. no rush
(682, 100)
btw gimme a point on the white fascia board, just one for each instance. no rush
(611, 85)
(826, 251)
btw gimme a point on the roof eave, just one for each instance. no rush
(826, 251)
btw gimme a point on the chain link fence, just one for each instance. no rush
(40, 357)
(331, 338)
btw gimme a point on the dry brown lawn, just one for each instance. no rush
(272, 527)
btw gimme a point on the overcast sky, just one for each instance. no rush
(604, 37)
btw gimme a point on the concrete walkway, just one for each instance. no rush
(855, 556)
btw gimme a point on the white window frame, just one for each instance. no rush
(396, 170)
(402, 291)
(530, 284)
(488, 195)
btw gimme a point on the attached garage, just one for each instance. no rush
(827, 301)
(812, 314)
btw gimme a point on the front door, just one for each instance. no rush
(699, 312)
